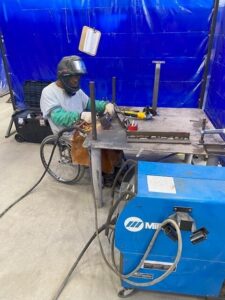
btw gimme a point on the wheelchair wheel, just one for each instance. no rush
(61, 167)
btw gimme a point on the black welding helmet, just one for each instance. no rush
(70, 66)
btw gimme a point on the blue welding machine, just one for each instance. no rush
(194, 197)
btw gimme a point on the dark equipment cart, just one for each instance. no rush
(30, 124)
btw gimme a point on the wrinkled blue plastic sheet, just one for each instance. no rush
(3, 82)
(215, 102)
(134, 33)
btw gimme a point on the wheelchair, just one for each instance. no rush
(61, 167)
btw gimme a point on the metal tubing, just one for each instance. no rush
(93, 109)
(114, 90)
(208, 57)
(213, 131)
(156, 83)
(188, 158)
(204, 121)
(212, 160)
(7, 72)
(96, 169)
(9, 133)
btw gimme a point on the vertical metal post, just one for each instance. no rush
(212, 160)
(188, 158)
(96, 169)
(7, 72)
(204, 121)
(113, 90)
(156, 83)
(93, 109)
(208, 56)
(8, 78)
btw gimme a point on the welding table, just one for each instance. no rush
(167, 120)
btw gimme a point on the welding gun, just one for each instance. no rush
(142, 115)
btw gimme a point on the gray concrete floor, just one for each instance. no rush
(42, 236)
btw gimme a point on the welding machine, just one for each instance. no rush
(193, 198)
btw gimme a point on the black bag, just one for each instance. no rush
(29, 122)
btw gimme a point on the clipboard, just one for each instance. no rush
(89, 40)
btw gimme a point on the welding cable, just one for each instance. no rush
(120, 172)
(114, 207)
(34, 186)
(173, 266)
(167, 156)
(103, 227)
(46, 170)
(65, 281)
(129, 186)
(148, 250)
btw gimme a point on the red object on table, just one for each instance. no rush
(133, 127)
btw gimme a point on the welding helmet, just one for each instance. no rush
(70, 66)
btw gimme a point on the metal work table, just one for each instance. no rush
(167, 120)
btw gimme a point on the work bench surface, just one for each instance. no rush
(167, 120)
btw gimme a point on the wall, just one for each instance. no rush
(134, 32)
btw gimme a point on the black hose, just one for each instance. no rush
(167, 156)
(119, 173)
(64, 283)
(46, 168)
(114, 207)
(34, 186)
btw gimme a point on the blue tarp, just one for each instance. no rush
(134, 33)
(215, 101)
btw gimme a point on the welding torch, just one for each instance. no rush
(141, 115)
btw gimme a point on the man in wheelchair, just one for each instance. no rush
(64, 103)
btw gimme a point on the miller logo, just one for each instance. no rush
(135, 224)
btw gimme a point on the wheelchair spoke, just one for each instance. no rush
(61, 167)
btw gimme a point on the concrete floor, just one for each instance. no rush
(42, 236)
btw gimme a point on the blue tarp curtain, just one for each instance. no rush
(134, 33)
(215, 100)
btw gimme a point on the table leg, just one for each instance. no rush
(212, 160)
(96, 170)
(188, 158)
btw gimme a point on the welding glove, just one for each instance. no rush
(86, 116)
(109, 108)
(99, 105)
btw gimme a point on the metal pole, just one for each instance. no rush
(7, 72)
(113, 90)
(96, 169)
(156, 83)
(212, 160)
(204, 121)
(208, 57)
(93, 109)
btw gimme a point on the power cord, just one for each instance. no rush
(125, 277)
(111, 221)
(65, 281)
(46, 169)
(123, 167)
(34, 186)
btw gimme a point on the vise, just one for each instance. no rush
(194, 198)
